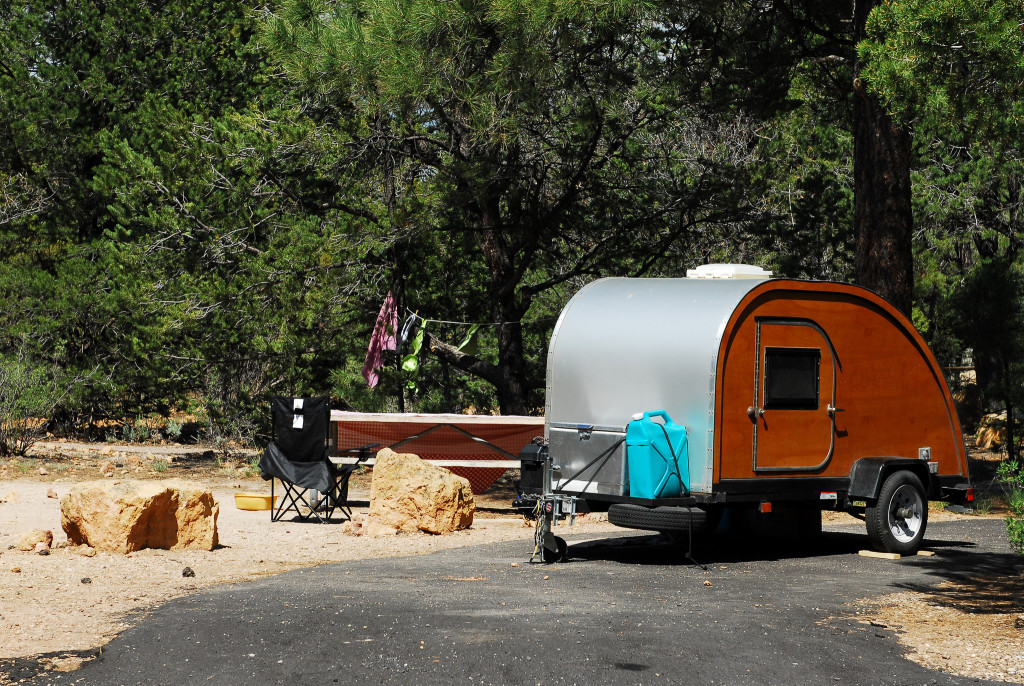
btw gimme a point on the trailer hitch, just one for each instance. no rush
(551, 508)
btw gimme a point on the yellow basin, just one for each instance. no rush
(254, 501)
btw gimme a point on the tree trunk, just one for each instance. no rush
(882, 215)
(1011, 440)
(508, 307)
(512, 387)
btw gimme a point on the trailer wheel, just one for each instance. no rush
(897, 520)
(663, 519)
(560, 555)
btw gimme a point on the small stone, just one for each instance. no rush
(16, 570)
(42, 471)
(87, 551)
(30, 539)
(40, 547)
(11, 497)
(44, 551)
(187, 572)
(50, 493)
(86, 580)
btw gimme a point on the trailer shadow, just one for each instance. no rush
(954, 559)
(658, 549)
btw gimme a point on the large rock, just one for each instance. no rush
(125, 516)
(408, 494)
(991, 432)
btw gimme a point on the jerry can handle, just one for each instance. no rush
(659, 413)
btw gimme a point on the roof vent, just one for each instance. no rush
(727, 271)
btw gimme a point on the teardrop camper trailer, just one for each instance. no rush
(672, 401)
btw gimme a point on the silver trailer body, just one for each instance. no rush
(625, 346)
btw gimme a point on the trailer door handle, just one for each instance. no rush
(832, 411)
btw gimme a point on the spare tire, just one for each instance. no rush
(663, 518)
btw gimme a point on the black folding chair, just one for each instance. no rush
(299, 457)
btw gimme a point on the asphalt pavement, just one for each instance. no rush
(628, 609)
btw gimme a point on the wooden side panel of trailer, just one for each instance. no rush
(813, 376)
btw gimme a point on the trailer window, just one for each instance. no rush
(791, 377)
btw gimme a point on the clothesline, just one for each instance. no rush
(448, 321)
(387, 336)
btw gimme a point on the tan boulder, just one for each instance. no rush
(991, 432)
(408, 494)
(125, 516)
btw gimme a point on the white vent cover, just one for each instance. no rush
(728, 271)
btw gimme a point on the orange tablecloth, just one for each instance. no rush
(443, 436)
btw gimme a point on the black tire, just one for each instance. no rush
(896, 522)
(559, 555)
(662, 519)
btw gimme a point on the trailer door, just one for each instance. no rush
(795, 396)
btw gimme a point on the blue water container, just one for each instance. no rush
(656, 457)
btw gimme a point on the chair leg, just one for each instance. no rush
(292, 500)
(339, 495)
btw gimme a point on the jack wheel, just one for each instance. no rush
(559, 555)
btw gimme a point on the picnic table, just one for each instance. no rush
(478, 447)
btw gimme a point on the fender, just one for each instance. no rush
(868, 473)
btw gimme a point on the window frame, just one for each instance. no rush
(800, 403)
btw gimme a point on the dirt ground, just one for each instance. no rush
(60, 608)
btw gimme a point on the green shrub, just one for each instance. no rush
(253, 467)
(28, 395)
(1011, 473)
(174, 429)
(137, 431)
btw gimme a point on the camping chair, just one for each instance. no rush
(299, 456)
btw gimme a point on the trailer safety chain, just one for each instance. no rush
(538, 540)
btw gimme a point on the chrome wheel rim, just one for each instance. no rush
(906, 513)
